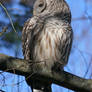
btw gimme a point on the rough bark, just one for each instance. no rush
(65, 79)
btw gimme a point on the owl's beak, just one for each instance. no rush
(34, 13)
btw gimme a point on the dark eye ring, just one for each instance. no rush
(40, 5)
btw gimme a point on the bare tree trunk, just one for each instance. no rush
(65, 79)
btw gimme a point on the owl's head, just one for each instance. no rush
(51, 7)
(42, 6)
(39, 7)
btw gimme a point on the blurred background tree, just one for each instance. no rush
(80, 61)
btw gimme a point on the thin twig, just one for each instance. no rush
(11, 22)
(3, 30)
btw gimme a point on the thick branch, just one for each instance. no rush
(65, 79)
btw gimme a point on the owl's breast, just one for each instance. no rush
(48, 42)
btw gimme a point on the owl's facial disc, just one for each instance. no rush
(39, 7)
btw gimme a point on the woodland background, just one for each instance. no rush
(80, 61)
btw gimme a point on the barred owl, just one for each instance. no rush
(47, 36)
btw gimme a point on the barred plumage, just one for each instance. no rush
(47, 36)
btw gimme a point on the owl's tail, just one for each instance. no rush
(43, 89)
(39, 86)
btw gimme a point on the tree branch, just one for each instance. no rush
(25, 68)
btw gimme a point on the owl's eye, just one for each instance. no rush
(41, 5)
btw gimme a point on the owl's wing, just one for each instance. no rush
(27, 30)
(66, 43)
